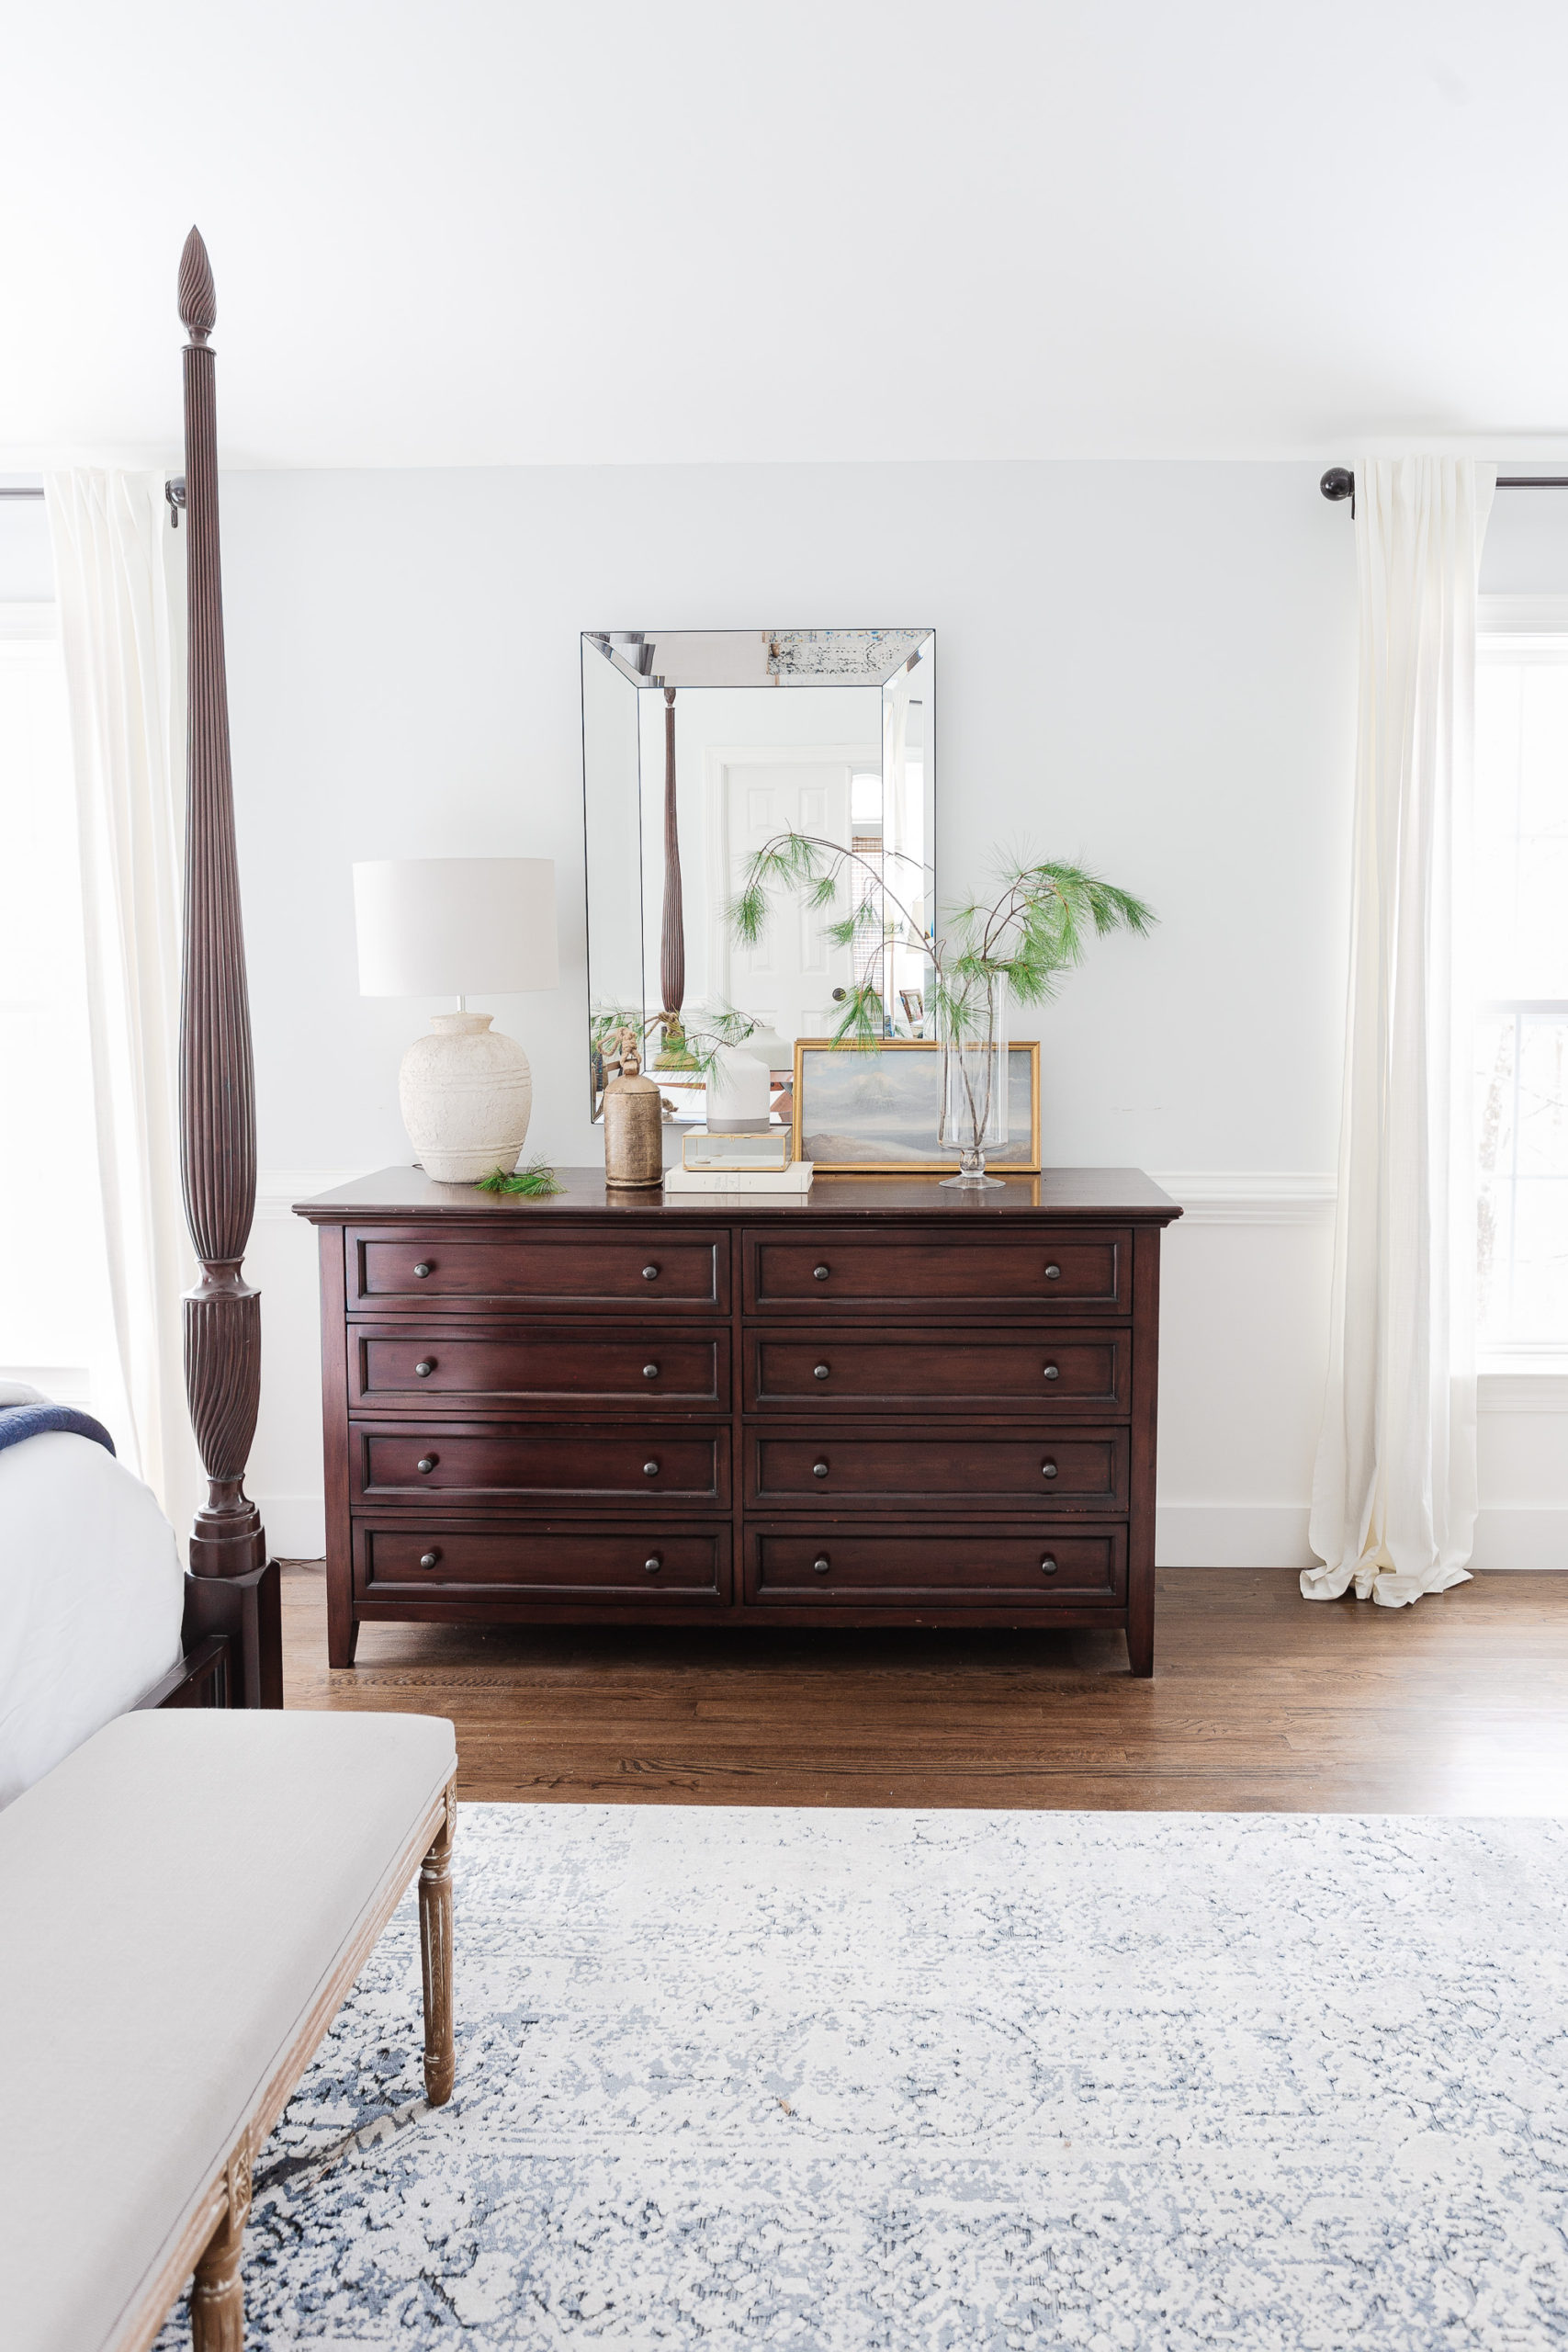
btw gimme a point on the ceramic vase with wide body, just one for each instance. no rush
(465, 1092)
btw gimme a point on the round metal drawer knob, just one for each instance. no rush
(1053, 1273)
(819, 1469)
(1047, 1469)
(427, 1462)
(820, 1273)
(430, 1559)
(650, 1372)
(650, 1274)
(421, 1272)
(1052, 1373)
(821, 1566)
(820, 1371)
(650, 1469)
(422, 1370)
(1048, 1565)
(653, 1562)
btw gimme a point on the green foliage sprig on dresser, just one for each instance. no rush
(1038, 927)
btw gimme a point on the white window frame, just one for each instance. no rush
(1523, 1374)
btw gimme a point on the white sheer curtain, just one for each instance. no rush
(120, 581)
(1393, 1489)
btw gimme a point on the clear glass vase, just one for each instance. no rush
(973, 1026)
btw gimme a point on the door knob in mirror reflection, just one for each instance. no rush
(428, 1559)
(650, 1469)
(427, 1462)
(822, 1565)
(653, 1562)
(424, 1369)
(1047, 1469)
(819, 1469)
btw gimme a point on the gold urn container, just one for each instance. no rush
(634, 1133)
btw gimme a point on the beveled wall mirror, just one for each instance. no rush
(697, 748)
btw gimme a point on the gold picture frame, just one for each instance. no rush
(915, 1109)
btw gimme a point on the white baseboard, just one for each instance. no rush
(296, 1526)
(1232, 1536)
(1515, 1537)
(1274, 1535)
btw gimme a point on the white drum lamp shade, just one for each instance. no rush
(456, 926)
(459, 926)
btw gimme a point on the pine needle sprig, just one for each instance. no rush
(1038, 927)
(537, 1181)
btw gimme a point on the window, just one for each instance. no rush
(1521, 1031)
(53, 1297)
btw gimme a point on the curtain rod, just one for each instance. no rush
(173, 493)
(1340, 483)
(1337, 482)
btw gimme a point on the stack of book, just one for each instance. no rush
(739, 1163)
(795, 1179)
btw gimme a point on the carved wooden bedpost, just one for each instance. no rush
(233, 1587)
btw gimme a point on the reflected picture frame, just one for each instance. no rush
(866, 1111)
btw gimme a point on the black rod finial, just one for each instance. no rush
(1338, 482)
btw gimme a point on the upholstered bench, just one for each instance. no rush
(183, 1904)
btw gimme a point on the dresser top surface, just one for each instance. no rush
(1097, 1193)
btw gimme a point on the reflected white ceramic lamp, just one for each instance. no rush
(462, 927)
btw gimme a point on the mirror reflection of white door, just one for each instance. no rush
(788, 980)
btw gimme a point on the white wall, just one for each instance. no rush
(1148, 666)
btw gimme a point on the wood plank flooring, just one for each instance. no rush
(1261, 1701)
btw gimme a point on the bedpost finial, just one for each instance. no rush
(198, 297)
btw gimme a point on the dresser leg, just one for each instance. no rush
(1141, 1642)
(343, 1626)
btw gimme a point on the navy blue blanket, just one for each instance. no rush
(19, 1422)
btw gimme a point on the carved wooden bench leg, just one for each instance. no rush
(218, 2297)
(436, 1952)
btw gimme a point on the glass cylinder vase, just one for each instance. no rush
(973, 1027)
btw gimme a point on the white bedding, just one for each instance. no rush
(91, 1597)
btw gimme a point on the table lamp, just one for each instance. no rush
(462, 927)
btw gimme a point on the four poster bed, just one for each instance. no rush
(99, 1620)
(231, 1590)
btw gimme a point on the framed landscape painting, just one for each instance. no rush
(874, 1112)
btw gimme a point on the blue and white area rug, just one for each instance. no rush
(919, 2082)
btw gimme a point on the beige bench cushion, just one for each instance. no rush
(174, 1894)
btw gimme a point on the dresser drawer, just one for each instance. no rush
(397, 1366)
(1085, 1373)
(653, 1269)
(911, 1275)
(542, 1563)
(954, 1567)
(846, 1466)
(565, 1461)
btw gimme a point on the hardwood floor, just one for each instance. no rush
(1261, 1703)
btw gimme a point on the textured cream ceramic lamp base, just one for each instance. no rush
(465, 1092)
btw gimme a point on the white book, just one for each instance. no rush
(794, 1179)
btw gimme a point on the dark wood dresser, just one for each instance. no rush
(883, 1405)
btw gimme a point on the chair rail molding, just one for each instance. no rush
(1251, 1195)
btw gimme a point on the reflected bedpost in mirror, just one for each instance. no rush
(697, 748)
